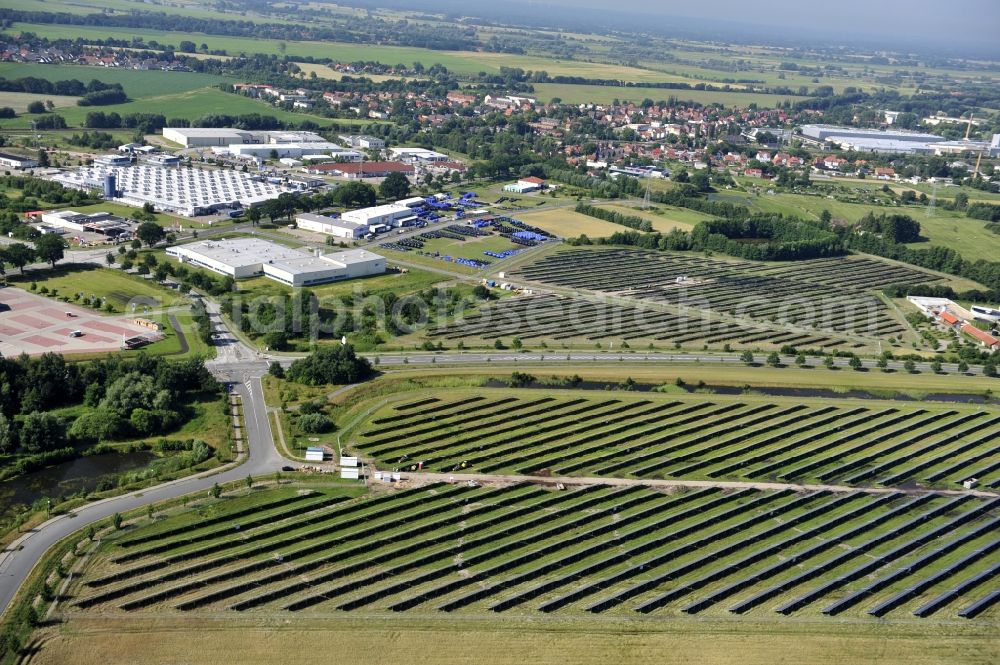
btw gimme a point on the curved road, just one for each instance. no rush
(17, 561)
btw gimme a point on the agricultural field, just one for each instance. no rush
(459, 62)
(567, 223)
(602, 94)
(137, 84)
(683, 435)
(522, 550)
(827, 294)
(189, 105)
(19, 100)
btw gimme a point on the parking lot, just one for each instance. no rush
(34, 324)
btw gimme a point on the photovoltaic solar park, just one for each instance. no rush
(873, 525)
(518, 548)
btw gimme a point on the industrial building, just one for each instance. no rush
(417, 155)
(895, 141)
(259, 145)
(206, 137)
(338, 228)
(16, 161)
(242, 258)
(389, 215)
(113, 160)
(836, 133)
(102, 223)
(163, 160)
(361, 170)
(323, 149)
(362, 141)
(188, 191)
(525, 185)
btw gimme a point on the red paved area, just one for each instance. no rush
(34, 325)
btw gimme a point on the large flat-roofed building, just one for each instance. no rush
(362, 141)
(360, 170)
(269, 150)
(332, 226)
(102, 223)
(189, 192)
(16, 161)
(417, 155)
(205, 137)
(387, 215)
(871, 140)
(241, 258)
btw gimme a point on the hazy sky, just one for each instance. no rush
(899, 21)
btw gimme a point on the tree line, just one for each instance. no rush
(69, 87)
(631, 221)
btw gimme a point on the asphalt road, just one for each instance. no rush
(17, 561)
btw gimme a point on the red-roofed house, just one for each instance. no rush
(984, 338)
(833, 162)
(459, 98)
(948, 318)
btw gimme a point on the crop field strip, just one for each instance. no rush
(825, 294)
(561, 318)
(691, 436)
(520, 548)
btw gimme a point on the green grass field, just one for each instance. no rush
(19, 100)
(457, 642)
(664, 218)
(117, 287)
(189, 105)
(942, 227)
(567, 223)
(136, 83)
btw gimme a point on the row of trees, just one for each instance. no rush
(49, 247)
(39, 86)
(631, 221)
(112, 95)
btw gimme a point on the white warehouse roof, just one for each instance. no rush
(187, 191)
(249, 257)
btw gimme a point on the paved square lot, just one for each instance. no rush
(34, 324)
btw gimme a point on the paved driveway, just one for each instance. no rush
(34, 324)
